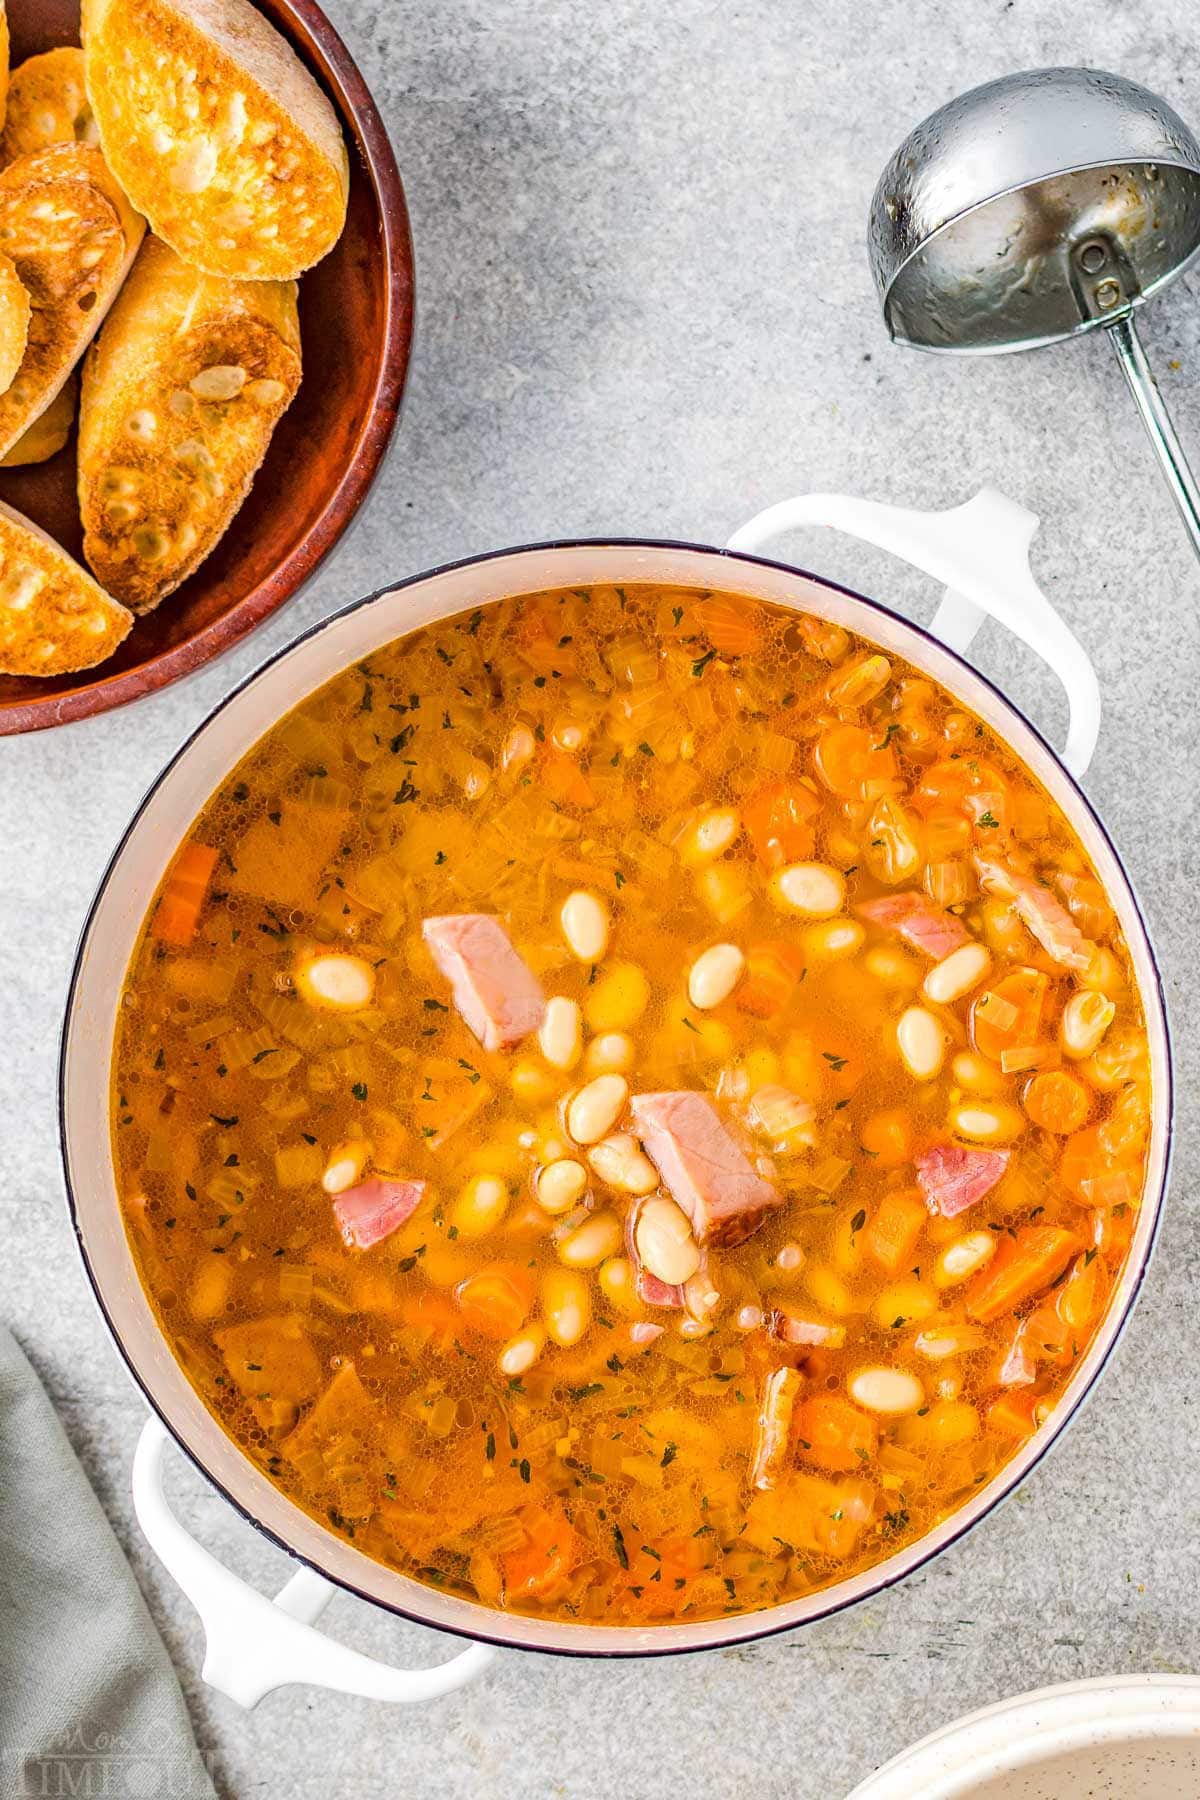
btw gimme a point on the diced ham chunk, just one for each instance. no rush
(496, 993)
(653, 1292)
(1039, 911)
(772, 1437)
(953, 1178)
(918, 921)
(706, 1172)
(794, 1328)
(368, 1213)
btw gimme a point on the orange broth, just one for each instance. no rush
(475, 1399)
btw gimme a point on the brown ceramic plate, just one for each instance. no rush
(356, 310)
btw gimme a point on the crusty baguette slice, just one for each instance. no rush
(49, 431)
(15, 312)
(53, 616)
(72, 236)
(181, 393)
(217, 132)
(47, 104)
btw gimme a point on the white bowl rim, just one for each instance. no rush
(1012, 1735)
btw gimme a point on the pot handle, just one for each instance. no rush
(254, 1645)
(981, 551)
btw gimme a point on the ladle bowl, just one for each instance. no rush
(1036, 207)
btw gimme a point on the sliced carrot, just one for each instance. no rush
(957, 783)
(1008, 1015)
(888, 1137)
(1082, 1160)
(566, 783)
(833, 1434)
(496, 1302)
(431, 1311)
(732, 626)
(1020, 1268)
(847, 756)
(546, 1558)
(773, 971)
(1097, 1175)
(1057, 1101)
(178, 912)
(778, 821)
(1013, 1414)
(891, 1236)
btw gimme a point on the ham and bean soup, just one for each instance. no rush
(630, 1103)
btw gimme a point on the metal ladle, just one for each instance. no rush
(1034, 208)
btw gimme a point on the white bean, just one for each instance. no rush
(710, 835)
(346, 1163)
(749, 1318)
(998, 1123)
(921, 1042)
(332, 979)
(833, 938)
(815, 889)
(522, 1351)
(611, 1053)
(714, 975)
(973, 1071)
(519, 747)
(665, 1244)
(957, 973)
(621, 1163)
(1086, 1017)
(480, 1207)
(561, 1034)
(560, 1184)
(617, 1284)
(590, 1243)
(585, 924)
(566, 1306)
(963, 1257)
(594, 1110)
(884, 1390)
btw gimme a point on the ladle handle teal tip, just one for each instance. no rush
(1132, 357)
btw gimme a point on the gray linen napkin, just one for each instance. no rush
(89, 1703)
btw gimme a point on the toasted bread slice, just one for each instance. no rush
(217, 132)
(72, 236)
(47, 104)
(49, 431)
(15, 310)
(53, 616)
(181, 393)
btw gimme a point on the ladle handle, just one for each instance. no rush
(1136, 368)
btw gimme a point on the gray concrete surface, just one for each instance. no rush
(645, 309)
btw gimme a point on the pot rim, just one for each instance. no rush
(744, 1627)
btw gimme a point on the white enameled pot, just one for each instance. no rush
(1117, 1737)
(979, 551)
